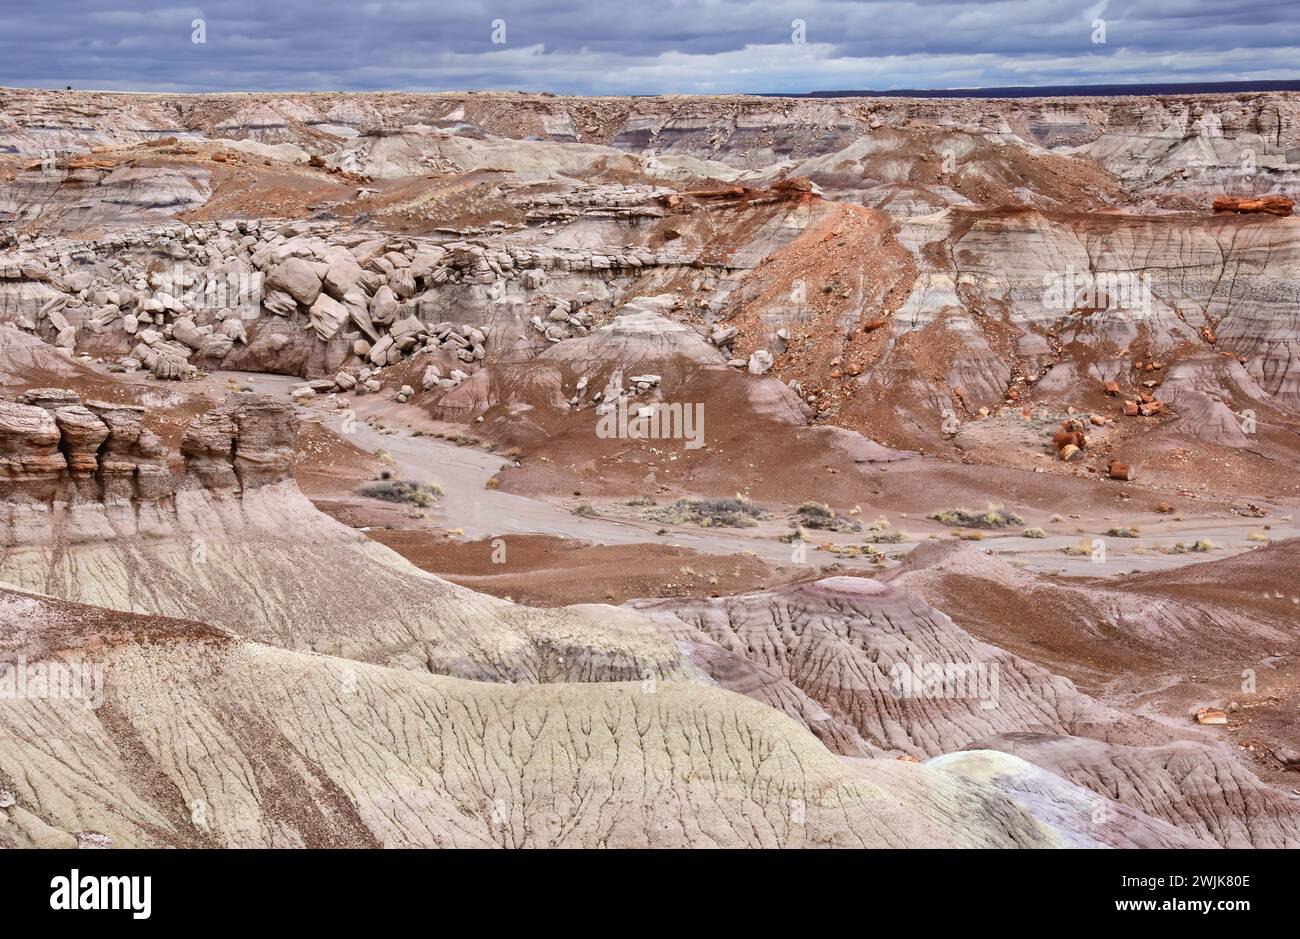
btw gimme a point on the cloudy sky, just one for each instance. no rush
(648, 47)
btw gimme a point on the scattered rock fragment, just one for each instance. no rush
(1272, 205)
(1207, 715)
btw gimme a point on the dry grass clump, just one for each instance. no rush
(709, 513)
(798, 534)
(881, 532)
(821, 517)
(993, 516)
(403, 491)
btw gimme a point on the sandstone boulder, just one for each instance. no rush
(327, 317)
(297, 278)
(383, 306)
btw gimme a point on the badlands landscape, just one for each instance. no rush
(503, 469)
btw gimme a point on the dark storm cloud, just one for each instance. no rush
(597, 46)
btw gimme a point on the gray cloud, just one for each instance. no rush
(595, 46)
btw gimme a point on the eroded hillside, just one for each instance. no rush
(521, 470)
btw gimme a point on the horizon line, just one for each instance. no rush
(1107, 89)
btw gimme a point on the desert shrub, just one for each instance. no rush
(1205, 544)
(492, 483)
(1256, 535)
(816, 510)
(640, 501)
(790, 537)
(585, 510)
(1035, 533)
(854, 550)
(709, 513)
(821, 517)
(880, 532)
(993, 516)
(1120, 532)
(401, 490)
